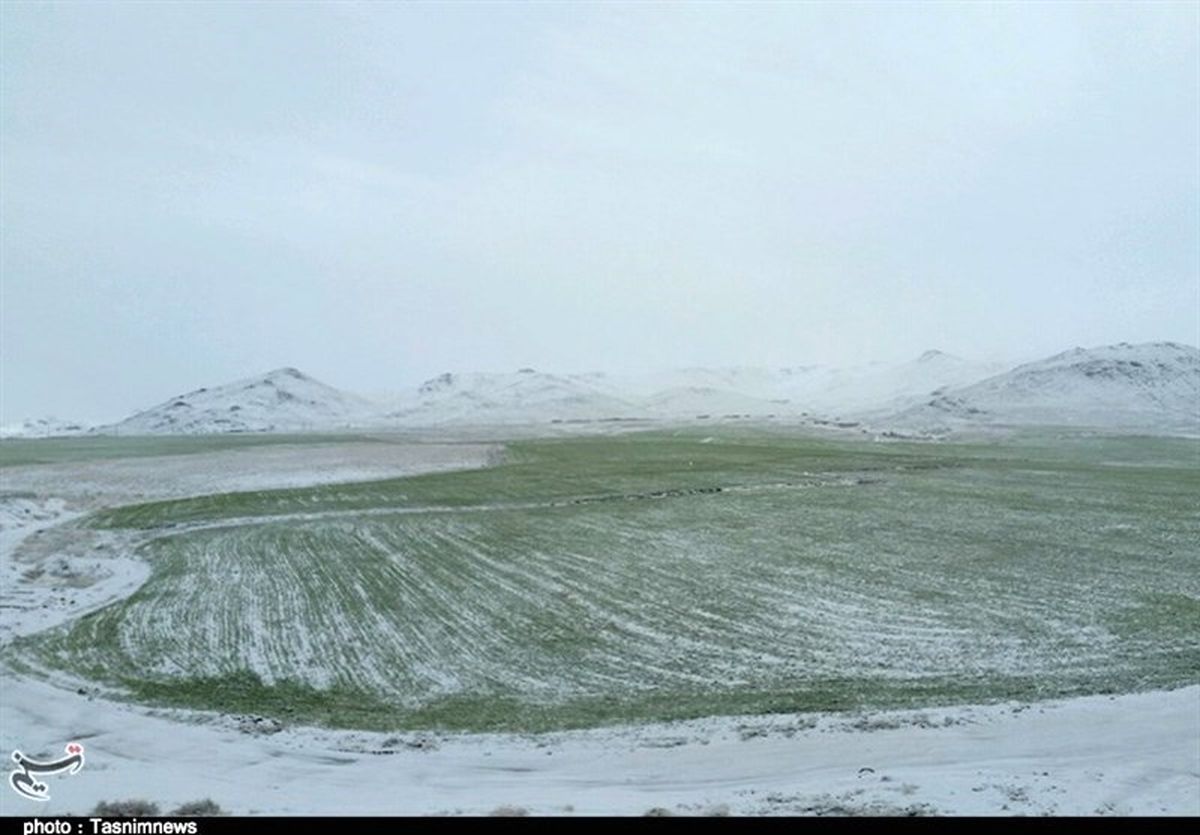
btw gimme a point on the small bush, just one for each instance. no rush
(126, 809)
(205, 808)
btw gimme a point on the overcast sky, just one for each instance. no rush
(376, 193)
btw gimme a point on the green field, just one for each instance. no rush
(665, 575)
(18, 452)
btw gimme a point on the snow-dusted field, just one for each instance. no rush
(1118, 755)
(107, 481)
(1113, 754)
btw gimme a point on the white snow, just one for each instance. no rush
(1153, 386)
(522, 397)
(1132, 754)
(282, 400)
(46, 427)
(125, 480)
(529, 396)
(891, 386)
(60, 573)
(696, 401)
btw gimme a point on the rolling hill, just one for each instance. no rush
(1152, 386)
(280, 400)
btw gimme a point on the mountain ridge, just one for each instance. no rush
(1148, 385)
(1153, 385)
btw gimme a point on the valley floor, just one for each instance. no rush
(1120, 754)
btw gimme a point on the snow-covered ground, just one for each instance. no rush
(108, 481)
(51, 572)
(1133, 754)
(1127, 754)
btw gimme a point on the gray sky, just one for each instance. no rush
(377, 193)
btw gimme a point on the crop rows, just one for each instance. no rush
(816, 577)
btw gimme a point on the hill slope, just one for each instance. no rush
(880, 386)
(281, 400)
(521, 397)
(47, 427)
(1154, 385)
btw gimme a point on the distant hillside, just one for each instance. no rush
(281, 400)
(525, 396)
(1149, 387)
(880, 386)
(1152, 386)
(47, 427)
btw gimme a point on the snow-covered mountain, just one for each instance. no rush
(705, 401)
(281, 400)
(1155, 386)
(529, 396)
(1152, 386)
(47, 427)
(526, 396)
(864, 389)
